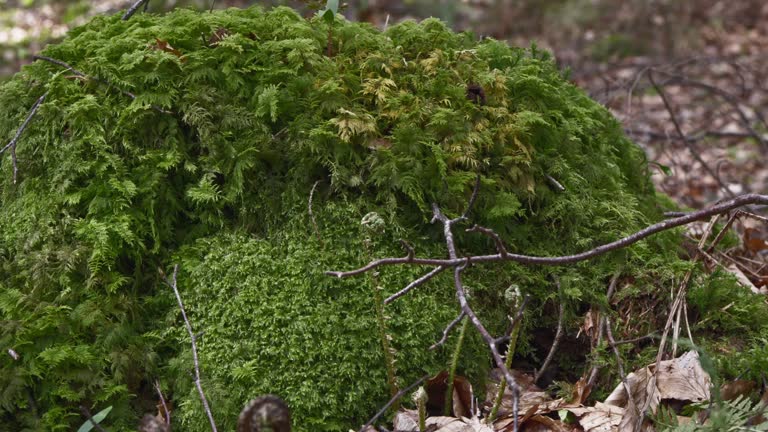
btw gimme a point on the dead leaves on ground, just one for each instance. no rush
(672, 384)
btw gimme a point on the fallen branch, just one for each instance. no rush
(695, 152)
(192, 337)
(15, 140)
(555, 345)
(447, 330)
(162, 401)
(135, 7)
(665, 225)
(312, 214)
(98, 80)
(394, 399)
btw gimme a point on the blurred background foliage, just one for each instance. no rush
(577, 31)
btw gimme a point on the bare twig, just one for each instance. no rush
(172, 284)
(461, 294)
(19, 131)
(688, 143)
(727, 97)
(418, 282)
(665, 225)
(88, 415)
(135, 7)
(312, 214)
(555, 344)
(601, 326)
(623, 376)
(97, 79)
(555, 184)
(447, 330)
(394, 399)
(492, 234)
(472, 198)
(162, 401)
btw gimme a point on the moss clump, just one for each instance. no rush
(197, 137)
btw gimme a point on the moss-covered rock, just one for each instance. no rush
(196, 138)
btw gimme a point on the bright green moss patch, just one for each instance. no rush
(232, 117)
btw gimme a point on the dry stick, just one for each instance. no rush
(725, 206)
(612, 342)
(98, 80)
(462, 296)
(192, 337)
(312, 214)
(394, 399)
(447, 330)
(688, 143)
(88, 415)
(601, 326)
(162, 401)
(728, 98)
(555, 344)
(19, 131)
(132, 10)
(418, 282)
(678, 300)
(511, 348)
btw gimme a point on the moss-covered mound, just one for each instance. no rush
(196, 138)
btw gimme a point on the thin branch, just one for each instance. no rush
(394, 399)
(162, 401)
(461, 294)
(665, 225)
(173, 285)
(97, 79)
(312, 214)
(623, 376)
(555, 344)
(135, 7)
(408, 249)
(418, 282)
(19, 131)
(492, 234)
(447, 330)
(601, 326)
(88, 415)
(472, 198)
(555, 184)
(688, 143)
(727, 97)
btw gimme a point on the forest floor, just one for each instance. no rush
(695, 101)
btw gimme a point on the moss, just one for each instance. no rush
(112, 186)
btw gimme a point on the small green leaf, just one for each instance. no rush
(332, 5)
(330, 11)
(101, 415)
(665, 169)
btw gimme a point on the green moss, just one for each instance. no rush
(111, 188)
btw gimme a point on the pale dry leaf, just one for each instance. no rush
(681, 378)
(406, 420)
(599, 418)
(742, 278)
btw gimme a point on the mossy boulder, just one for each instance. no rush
(195, 138)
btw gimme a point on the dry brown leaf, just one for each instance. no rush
(599, 418)
(733, 389)
(681, 378)
(542, 423)
(462, 394)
